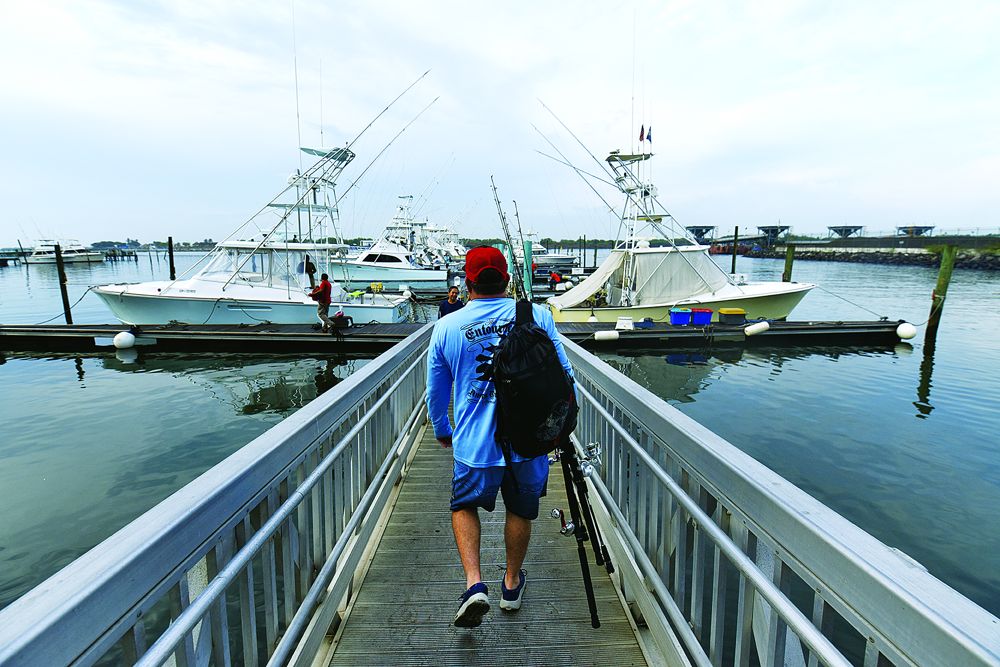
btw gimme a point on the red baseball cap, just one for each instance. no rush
(484, 257)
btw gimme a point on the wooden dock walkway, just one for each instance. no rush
(403, 610)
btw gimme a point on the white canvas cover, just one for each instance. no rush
(668, 275)
(591, 284)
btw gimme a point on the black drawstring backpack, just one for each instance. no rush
(536, 405)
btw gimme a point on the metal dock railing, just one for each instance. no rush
(290, 550)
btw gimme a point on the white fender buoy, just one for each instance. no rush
(756, 328)
(123, 340)
(606, 335)
(906, 331)
(592, 319)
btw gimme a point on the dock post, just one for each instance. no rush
(170, 253)
(940, 292)
(595, 255)
(528, 273)
(61, 269)
(24, 255)
(786, 275)
(736, 244)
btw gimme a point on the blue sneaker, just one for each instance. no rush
(511, 600)
(475, 605)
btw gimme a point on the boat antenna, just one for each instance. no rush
(321, 144)
(385, 148)
(295, 67)
(515, 272)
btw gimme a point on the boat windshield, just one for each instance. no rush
(261, 266)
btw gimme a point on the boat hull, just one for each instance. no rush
(154, 309)
(771, 306)
(361, 276)
(83, 258)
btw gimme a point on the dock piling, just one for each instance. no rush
(170, 254)
(940, 292)
(61, 269)
(736, 245)
(786, 275)
(24, 255)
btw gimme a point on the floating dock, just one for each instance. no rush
(380, 337)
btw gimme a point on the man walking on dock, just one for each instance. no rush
(460, 360)
(321, 294)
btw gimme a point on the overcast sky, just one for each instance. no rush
(149, 119)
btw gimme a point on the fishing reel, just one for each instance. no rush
(568, 527)
(592, 462)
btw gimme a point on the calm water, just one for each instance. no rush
(91, 441)
(905, 446)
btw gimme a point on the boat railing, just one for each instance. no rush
(721, 561)
(231, 569)
(725, 555)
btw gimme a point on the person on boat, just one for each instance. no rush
(554, 279)
(321, 294)
(459, 366)
(451, 304)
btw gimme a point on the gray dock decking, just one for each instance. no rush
(403, 610)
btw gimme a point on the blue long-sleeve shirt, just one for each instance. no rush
(460, 358)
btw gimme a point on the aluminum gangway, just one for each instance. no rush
(280, 554)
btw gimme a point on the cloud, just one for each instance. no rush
(187, 110)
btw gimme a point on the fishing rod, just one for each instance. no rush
(524, 255)
(581, 173)
(321, 163)
(637, 185)
(519, 292)
(329, 158)
(384, 149)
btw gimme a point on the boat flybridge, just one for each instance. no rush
(72, 251)
(640, 280)
(265, 269)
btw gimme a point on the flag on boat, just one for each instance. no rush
(642, 133)
(649, 135)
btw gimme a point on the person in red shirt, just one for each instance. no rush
(321, 294)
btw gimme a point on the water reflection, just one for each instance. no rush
(677, 376)
(923, 402)
(249, 384)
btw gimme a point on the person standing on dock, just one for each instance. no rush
(321, 294)
(459, 366)
(451, 304)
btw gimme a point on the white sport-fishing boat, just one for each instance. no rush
(263, 277)
(397, 261)
(638, 280)
(542, 257)
(72, 251)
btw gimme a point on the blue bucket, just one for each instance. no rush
(701, 317)
(680, 316)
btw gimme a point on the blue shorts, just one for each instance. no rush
(477, 487)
